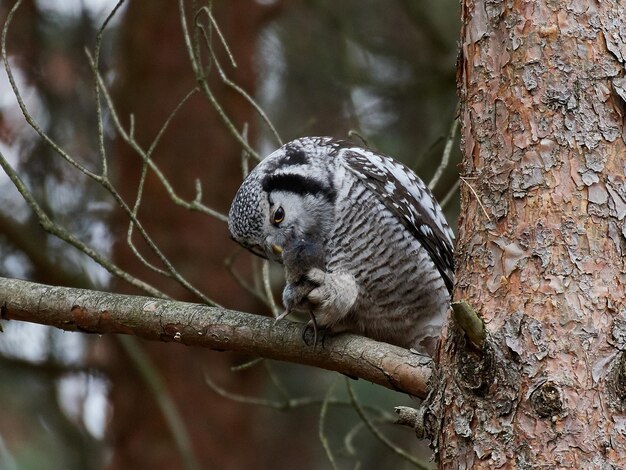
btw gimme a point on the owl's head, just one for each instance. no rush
(289, 195)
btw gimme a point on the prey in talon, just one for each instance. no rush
(300, 256)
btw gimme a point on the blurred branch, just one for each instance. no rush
(288, 403)
(49, 226)
(379, 435)
(417, 12)
(49, 367)
(451, 192)
(216, 328)
(165, 401)
(445, 157)
(27, 116)
(24, 238)
(321, 432)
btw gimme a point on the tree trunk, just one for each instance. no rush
(541, 240)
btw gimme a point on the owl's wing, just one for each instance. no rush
(406, 196)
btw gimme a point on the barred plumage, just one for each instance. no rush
(378, 248)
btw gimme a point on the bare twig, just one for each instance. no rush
(208, 11)
(413, 418)
(278, 405)
(289, 403)
(322, 434)
(245, 156)
(227, 81)
(27, 116)
(256, 292)
(101, 149)
(247, 365)
(355, 133)
(69, 238)
(348, 440)
(380, 436)
(268, 288)
(129, 138)
(103, 180)
(150, 375)
(47, 269)
(144, 170)
(204, 85)
(170, 270)
(448, 197)
(445, 157)
(464, 180)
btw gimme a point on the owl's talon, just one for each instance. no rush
(312, 325)
(282, 315)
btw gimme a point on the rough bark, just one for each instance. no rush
(541, 240)
(220, 329)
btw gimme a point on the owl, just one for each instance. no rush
(364, 244)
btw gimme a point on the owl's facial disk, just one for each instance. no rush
(283, 199)
(273, 227)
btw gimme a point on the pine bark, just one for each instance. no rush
(541, 240)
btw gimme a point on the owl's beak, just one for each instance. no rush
(278, 250)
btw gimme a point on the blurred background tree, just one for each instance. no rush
(383, 69)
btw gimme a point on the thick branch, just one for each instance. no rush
(216, 328)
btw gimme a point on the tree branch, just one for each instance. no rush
(216, 328)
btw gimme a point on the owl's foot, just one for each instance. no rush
(333, 296)
(328, 297)
(282, 315)
(295, 297)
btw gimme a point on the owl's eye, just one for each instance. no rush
(279, 215)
